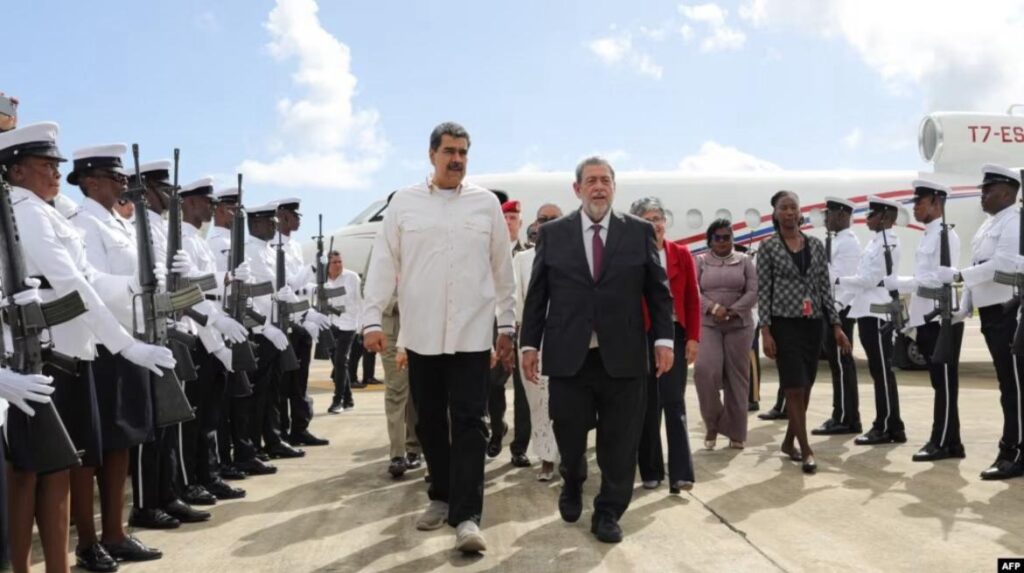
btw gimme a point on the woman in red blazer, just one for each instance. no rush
(667, 393)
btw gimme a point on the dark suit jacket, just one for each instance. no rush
(564, 304)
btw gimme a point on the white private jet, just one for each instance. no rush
(956, 144)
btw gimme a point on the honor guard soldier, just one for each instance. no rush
(929, 208)
(844, 261)
(272, 342)
(219, 236)
(211, 356)
(55, 253)
(294, 384)
(876, 334)
(995, 246)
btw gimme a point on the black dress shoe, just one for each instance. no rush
(753, 406)
(809, 466)
(185, 513)
(570, 503)
(397, 467)
(413, 461)
(606, 529)
(359, 385)
(520, 461)
(283, 450)
(262, 456)
(152, 518)
(131, 549)
(256, 467)
(875, 437)
(94, 558)
(371, 381)
(772, 414)
(834, 428)
(304, 438)
(197, 495)
(223, 491)
(231, 472)
(931, 452)
(1003, 469)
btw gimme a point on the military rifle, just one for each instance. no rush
(44, 435)
(894, 308)
(289, 361)
(325, 344)
(943, 297)
(158, 308)
(1016, 280)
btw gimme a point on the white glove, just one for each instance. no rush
(152, 357)
(276, 337)
(19, 389)
(182, 265)
(891, 282)
(318, 319)
(161, 279)
(323, 259)
(30, 295)
(286, 294)
(224, 355)
(312, 328)
(242, 272)
(230, 328)
(946, 275)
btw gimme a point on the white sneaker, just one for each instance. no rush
(468, 538)
(434, 517)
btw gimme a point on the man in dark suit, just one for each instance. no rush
(592, 271)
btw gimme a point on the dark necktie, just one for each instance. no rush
(598, 250)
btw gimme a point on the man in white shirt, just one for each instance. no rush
(844, 256)
(995, 247)
(344, 326)
(445, 244)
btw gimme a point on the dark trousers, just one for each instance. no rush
(845, 398)
(877, 343)
(666, 394)
(199, 436)
(496, 406)
(233, 442)
(265, 419)
(616, 407)
(294, 405)
(452, 387)
(368, 359)
(156, 469)
(340, 375)
(999, 324)
(946, 383)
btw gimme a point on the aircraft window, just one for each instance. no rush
(370, 213)
(752, 218)
(694, 218)
(723, 214)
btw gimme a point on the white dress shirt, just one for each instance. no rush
(263, 264)
(301, 277)
(926, 264)
(192, 242)
(110, 248)
(870, 272)
(158, 233)
(846, 257)
(448, 251)
(352, 300)
(54, 248)
(220, 245)
(994, 247)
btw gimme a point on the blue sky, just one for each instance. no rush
(333, 101)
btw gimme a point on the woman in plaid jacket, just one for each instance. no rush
(794, 298)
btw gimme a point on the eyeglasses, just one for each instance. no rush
(721, 238)
(657, 220)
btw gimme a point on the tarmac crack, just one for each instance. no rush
(739, 532)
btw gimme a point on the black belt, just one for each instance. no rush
(214, 297)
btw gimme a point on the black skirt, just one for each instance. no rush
(798, 346)
(124, 396)
(74, 396)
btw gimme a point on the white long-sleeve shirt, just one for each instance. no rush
(449, 252)
(870, 272)
(846, 257)
(263, 265)
(301, 277)
(352, 300)
(110, 247)
(220, 245)
(926, 265)
(54, 248)
(197, 248)
(994, 247)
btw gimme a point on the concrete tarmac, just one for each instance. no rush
(867, 509)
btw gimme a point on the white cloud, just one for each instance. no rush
(720, 35)
(853, 139)
(714, 157)
(330, 143)
(962, 55)
(618, 49)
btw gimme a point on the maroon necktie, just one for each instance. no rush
(598, 251)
